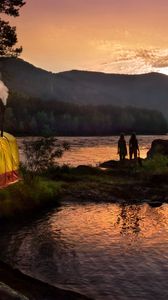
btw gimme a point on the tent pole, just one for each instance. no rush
(2, 119)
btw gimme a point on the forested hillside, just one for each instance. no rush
(87, 88)
(32, 116)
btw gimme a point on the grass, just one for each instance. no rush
(158, 165)
(24, 197)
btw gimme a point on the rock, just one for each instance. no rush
(116, 164)
(155, 203)
(7, 293)
(32, 289)
(109, 164)
(84, 169)
(158, 147)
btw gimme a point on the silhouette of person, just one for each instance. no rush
(133, 146)
(122, 148)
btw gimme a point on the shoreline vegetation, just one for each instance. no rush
(123, 183)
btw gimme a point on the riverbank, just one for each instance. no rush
(128, 183)
(123, 186)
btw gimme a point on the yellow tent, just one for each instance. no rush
(9, 160)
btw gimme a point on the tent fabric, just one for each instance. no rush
(9, 160)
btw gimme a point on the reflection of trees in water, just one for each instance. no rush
(129, 219)
(141, 219)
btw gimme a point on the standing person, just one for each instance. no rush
(133, 146)
(122, 148)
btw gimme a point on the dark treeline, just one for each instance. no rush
(28, 116)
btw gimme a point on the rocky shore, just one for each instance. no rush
(128, 193)
(128, 182)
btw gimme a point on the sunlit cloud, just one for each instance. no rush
(118, 59)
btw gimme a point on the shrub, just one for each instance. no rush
(41, 154)
(157, 165)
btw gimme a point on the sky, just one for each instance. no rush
(113, 36)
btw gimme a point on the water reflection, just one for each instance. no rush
(105, 250)
(130, 218)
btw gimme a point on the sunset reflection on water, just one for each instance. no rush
(105, 251)
(142, 221)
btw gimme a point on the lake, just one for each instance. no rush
(95, 150)
(105, 251)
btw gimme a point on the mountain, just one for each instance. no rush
(82, 87)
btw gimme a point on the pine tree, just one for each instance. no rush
(8, 36)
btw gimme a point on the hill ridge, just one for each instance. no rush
(148, 90)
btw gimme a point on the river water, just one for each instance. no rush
(95, 150)
(105, 251)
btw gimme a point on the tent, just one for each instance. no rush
(9, 160)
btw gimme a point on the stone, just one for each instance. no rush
(116, 164)
(158, 146)
(7, 293)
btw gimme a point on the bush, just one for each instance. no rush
(42, 154)
(157, 165)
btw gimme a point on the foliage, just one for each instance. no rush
(157, 165)
(23, 197)
(41, 154)
(31, 116)
(8, 39)
(11, 7)
(8, 36)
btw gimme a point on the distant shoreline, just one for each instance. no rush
(88, 136)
